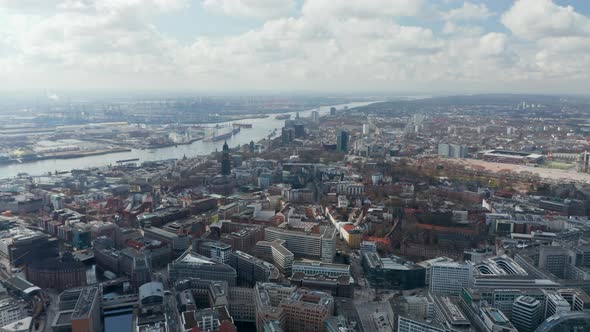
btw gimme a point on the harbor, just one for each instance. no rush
(261, 128)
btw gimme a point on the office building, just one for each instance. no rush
(225, 212)
(427, 265)
(342, 138)
(57, 273)
(313, 245)
(352, 235)
(136, 265)
(239, 236)
(315, 268)
(87, 312)
(555, 259)
(577, 298)
(501, 298)
(21, 325)
(192, 265)
(527, 313)
(502, 272)
(250, 270)
(21, 245)
(215, 319)
(162, 216)
(179, 242)
(81, 236)
(448, 313)
(276, 253)
(412, 324)
(307, 310)
(449, 278)
(341, 286)
(267, 297)
(392, 272)
(368, 246)
(218, 251)
(491, 319)
(133, 263)
(555, 304)
(10, 311)
(285, 308)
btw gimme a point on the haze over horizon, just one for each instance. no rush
(321, 46)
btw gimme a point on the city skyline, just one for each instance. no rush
(393, 46)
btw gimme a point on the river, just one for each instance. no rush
(261, 128)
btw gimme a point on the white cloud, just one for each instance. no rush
(535, 19)
(469, 11)
(451, 28)
(362, 9)
(258, 9)
(327, 45)
(559, 35)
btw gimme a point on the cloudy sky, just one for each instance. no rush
(403, 46)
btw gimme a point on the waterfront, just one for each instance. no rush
(262, 127)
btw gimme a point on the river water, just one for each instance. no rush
(261, 128)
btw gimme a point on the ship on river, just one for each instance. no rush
(242, 125)
(221, 133)
(283, 116)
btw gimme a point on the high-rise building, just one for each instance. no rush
(315, 116)
(366, 129)
(584, 162)
(342, 137)
(527, 313)
(458, 151)
(225, 160)
(449, 278)
(452, 150)
(443, 149)
(299, 129)
(287, 135)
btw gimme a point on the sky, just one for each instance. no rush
(320, 46)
